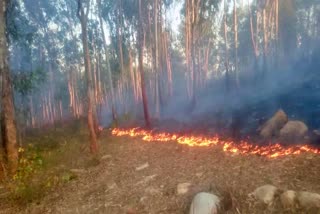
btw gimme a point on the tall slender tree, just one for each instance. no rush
(113, 108)
(141, 35)
(8, 125)
(83, 12)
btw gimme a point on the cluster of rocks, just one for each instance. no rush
(289, 199)
(208, 203)
(280, 127)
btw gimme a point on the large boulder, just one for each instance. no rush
(205, 203)
(273, 125)
(294, 130)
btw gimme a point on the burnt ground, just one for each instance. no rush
(115, 186)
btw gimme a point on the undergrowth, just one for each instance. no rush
(45, 162)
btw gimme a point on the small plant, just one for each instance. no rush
(30, 161)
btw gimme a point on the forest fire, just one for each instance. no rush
(243, 147)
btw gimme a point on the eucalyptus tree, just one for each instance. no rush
(110, 81)
(8, 126)
(83, 12)
(199, 20)
(141, 35)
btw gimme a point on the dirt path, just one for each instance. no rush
(115, 186)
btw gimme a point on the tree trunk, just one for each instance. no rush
(113, 109)
(226, 47)
(253, 40)
(235, 19)
(141, 47)
(265, 40)
(8, 125)
(132, 76)
(187, 48)
(119, 35)
(110, 82)
(157, 80)
(83, 17)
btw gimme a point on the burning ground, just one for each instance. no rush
(114, 185)
(230, 146)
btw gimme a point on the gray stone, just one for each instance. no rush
(205, 203)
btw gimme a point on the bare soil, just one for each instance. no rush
(115, 186)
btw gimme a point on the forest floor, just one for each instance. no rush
(111, 183)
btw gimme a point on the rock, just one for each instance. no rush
(265, 194)
(142, 167)
(288, 199)
(308, 200)
(294, 130)
(272, 126)
(205, 203)
(183, 188)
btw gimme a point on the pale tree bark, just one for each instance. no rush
(157, 86)
(8, 125)
(132, 76)
(141, 47)
(235, 20)
(83, 17)
(277, 33)
(187, 48)
(119, 34)
(226, 46)
(265, 39)
(168, 63)
(253, 36)
(110, 82)
(192, 18)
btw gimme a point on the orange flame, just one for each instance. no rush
(243, 147)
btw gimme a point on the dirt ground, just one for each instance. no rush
(115, 186)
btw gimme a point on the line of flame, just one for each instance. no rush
(243, 147)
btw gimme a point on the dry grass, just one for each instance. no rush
(114, 186)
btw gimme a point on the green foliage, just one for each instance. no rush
(18, 26)
(24, 83)
(47, 160)
(30, 161)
